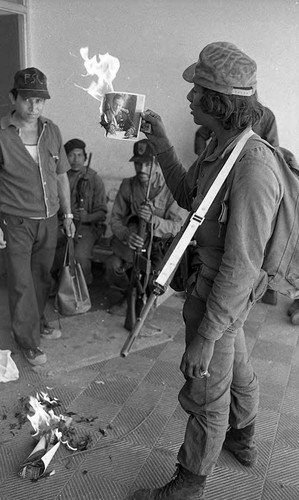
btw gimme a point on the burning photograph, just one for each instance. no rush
(121, 115)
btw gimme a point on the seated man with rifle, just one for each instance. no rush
(89, 208)
(144, 216)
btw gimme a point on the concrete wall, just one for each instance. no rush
(155, 40)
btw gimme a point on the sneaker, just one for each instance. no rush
(35, 356)
(50, 333)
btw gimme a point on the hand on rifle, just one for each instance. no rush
(80, 214)
(145, 212)
(135, 242)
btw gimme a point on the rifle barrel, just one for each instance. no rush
(139, 324)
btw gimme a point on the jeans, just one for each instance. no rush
(228, 397)
(30, 249)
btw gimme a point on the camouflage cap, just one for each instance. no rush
(223, 67)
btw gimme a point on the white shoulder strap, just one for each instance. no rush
(197, 217)
(211, 194)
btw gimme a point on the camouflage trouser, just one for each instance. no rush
(228, 396)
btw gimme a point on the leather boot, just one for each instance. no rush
(240, 442)
(293, 312)
(270, 297)
(293, 307)
(183, 486)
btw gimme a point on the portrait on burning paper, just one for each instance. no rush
(121, 115)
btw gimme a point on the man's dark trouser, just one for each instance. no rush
(228, 396)
(30, 249)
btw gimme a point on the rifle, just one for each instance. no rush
(81, 192)
(140, 272)
(160, 284)
(181, 241)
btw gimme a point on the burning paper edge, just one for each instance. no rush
(49, 455)
(44, 450)
(46, 458)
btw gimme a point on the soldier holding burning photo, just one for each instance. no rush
(221, 391)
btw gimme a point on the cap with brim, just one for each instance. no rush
(31, 82)
(44, 94)
(141, 158)
(143, 151)
(223, 67)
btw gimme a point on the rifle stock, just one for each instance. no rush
(136, 294)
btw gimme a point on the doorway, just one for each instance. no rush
(12, 48)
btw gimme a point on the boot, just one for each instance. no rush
(184, 485)
(293, 307)
(270, 297)
(241, 444)
(293, 312)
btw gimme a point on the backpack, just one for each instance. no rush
(281, 261)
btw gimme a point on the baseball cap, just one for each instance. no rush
(143, 151)
(31, 82)
(74, 144)
(223, 67)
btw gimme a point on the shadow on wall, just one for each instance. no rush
(112, 186)
(2, 263)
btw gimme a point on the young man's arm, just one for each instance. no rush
(65, 204)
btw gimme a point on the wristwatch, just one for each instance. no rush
(68, 216)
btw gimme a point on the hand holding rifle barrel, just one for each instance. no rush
(141, 264)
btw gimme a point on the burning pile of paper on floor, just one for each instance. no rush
(49, 428)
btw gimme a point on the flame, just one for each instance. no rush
(104, 70)
(42, 421)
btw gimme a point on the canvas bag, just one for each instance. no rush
(281, 261)
(72, 295)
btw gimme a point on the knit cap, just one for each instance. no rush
(74, 144)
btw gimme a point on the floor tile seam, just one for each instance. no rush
(96, 375)
(273, 444)
(264, 478)
(98, 447)
(248, 472)
(147, 416)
